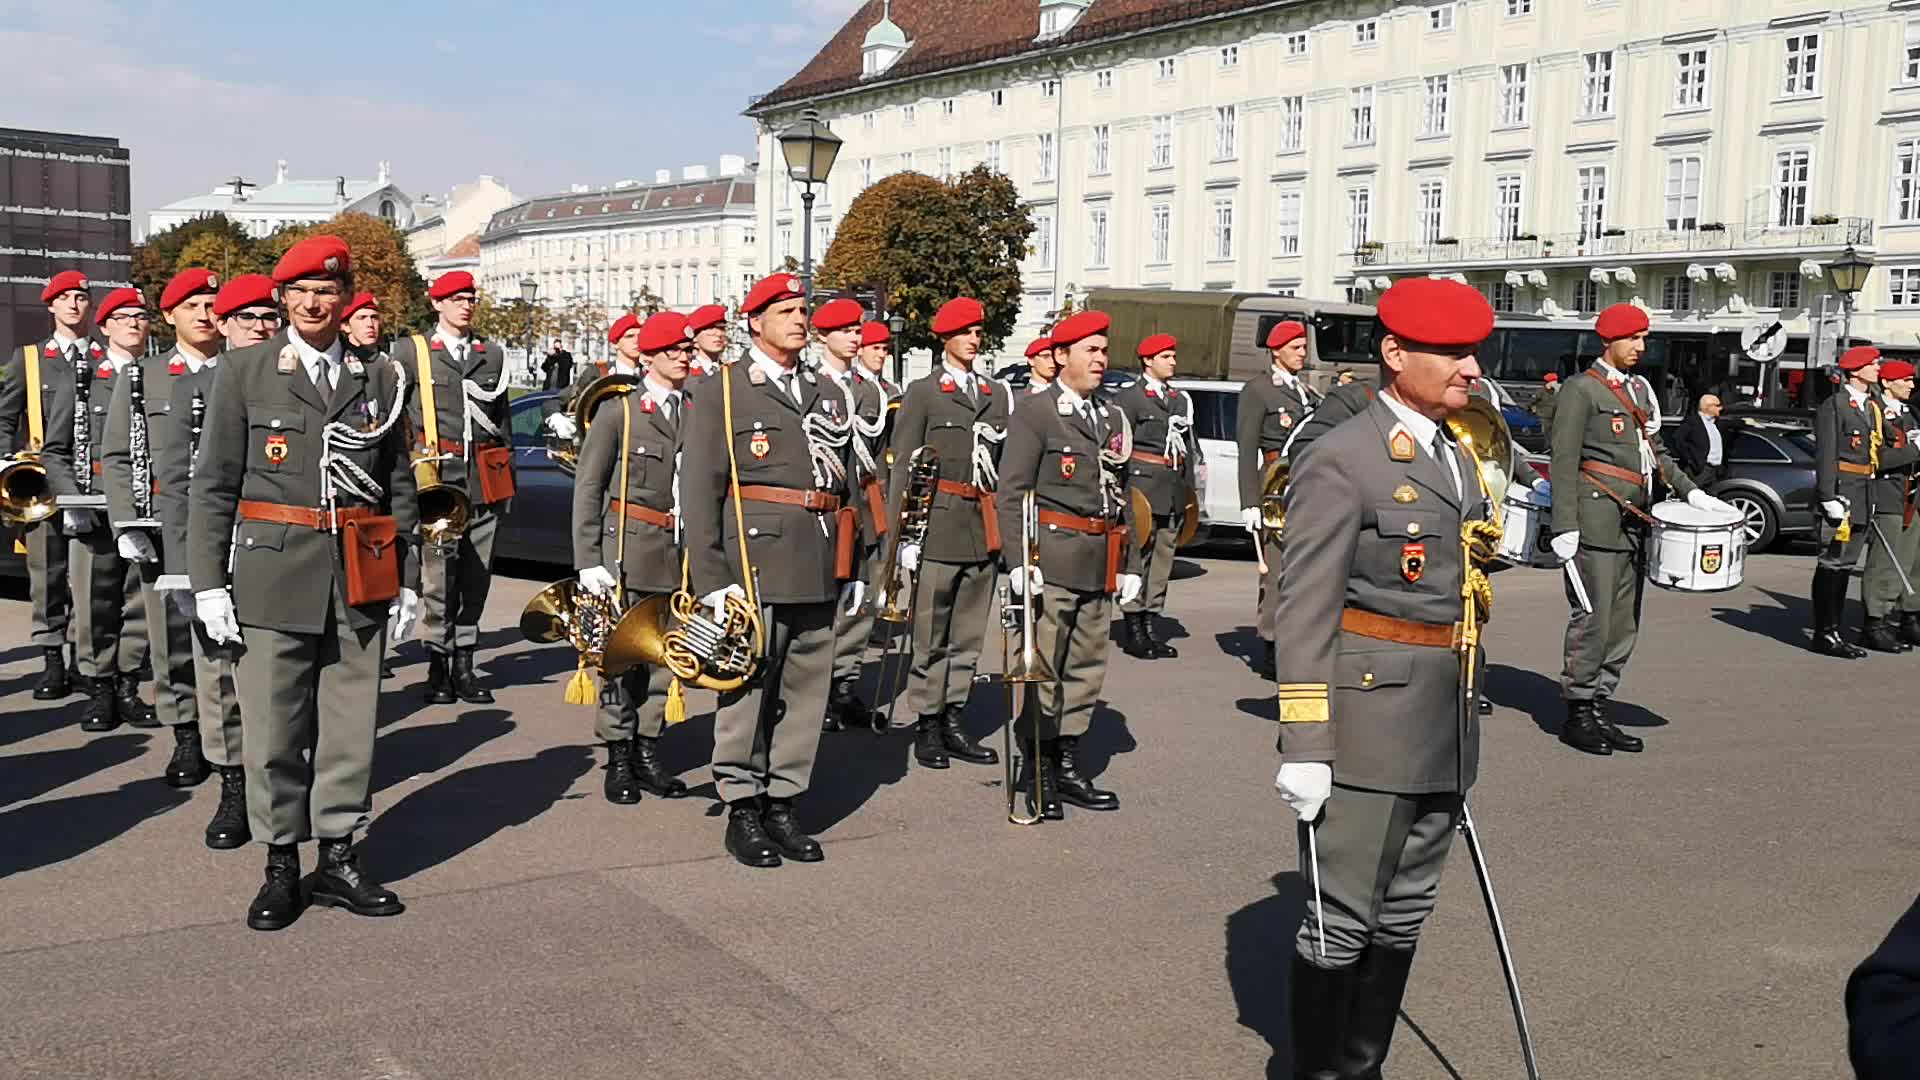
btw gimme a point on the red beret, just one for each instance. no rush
(1284, 332)
(1434, 311)
(1895, 369)
(620, 327)
(1550, 377)
(1852, 360)
(771, 288)
(957, 314)
(360, 300)
(1039, 345)
(706, 315)
(64, 281)
(117, 299)
(320, 256)
(187, 283)
(1074, 327)
(1157, 344)
(243, 291)
(665, 330)
(875, 333)
(838, 314)
(449, 283)
(1620, 320)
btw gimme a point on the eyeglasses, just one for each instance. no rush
(129, 317)
(259, 318)
(318, 292)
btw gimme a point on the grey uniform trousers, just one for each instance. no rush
(1598, 645)
(308, 704)
(1908, 544)
(218, 706)
(764, 739)
(1158, 569)
(1836, 554)
(110, 618)
(1380, 860)
(48, 567)
(951, 604)
(851, 632)
(1073, 633)
(1269, 590)
(633, 703)
(455, 583)
(170, 641)
(1881, 584)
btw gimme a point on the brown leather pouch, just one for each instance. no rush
(846, 534)
(992, 520)
(496, 473)
(876, 506)
(371, 553)
(1117, 538)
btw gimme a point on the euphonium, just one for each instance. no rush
(909, 527)
(566, 452)
(672, 630)
(25, 496)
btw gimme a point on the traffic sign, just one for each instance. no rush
(1764, 339)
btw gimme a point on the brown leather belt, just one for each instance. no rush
(1090, 526)
(1601, 468)
(989, 517)
(455, 446)
(819, 502)
(1596, 470)
(1401, 631)
(644, 514)
(308, 516)
(1853, 468)
(965, 491)
(1151, 459)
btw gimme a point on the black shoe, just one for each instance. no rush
(1318, 1004)
(465, 684)
(1073, 787)
(1133, 636)
(1830, 643)
(1582, 732)
(1263, 661)
(439, 679)
(1882, 635)
(1486, 707)
(1829, 612)
(845, 709)
(277, 903)
(747, 839)
(386, 668)
(339, 882)
(784, 829)
(53, 684)
(228, 829)
(1156, 644)
(649, 773)
(929, 749)
(126, 699)
(953, 735)
(1609, 730)
(1379, 982)
(103, 713)
(620, 787)
(1910, 627)
(188, 766)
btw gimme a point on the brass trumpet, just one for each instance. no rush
(1023, 665)
(25, 496)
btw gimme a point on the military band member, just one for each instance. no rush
(137, 517)
(300, 513)
(1040, 365)
(1163, 468)
(474, 430)
(361, 327)
(837, 327)
(1070, 450)
(1607, 466)
(1853, 442)
(1272, 406)
(110, 627)
(963, 416)
(1887, 547)
(1897, 379)
(790, 499)
(876, 348)
(1373, 742)
(635, 439)
(709, 325)
(246, 311)
(52, 362)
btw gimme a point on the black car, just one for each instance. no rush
(539, 526)
(1770, 475)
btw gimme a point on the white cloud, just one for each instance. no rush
(827, 11)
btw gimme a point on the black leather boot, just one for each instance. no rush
(228, 829)
(649, 773)
(1883, 635)
(1073, 787)
(836, 704)
(784, 829)
(103, 712)
(953, 735)
(620, 786)
(1826, 638)
(1318, 1002)
(1133, 636)
(386, 668)
(439, 679)
(339, 882)
(1609, 730)
(747, 839)
(1910, 627)
(188, 766)
(466, 685)
(1837, 583)
(53, 684)
(126, 699)
(1582, 732)
(929, 749)
(1263, 660)
(1156, 644)
(1379, 982)
(277, 903)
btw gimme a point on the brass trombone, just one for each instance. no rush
(1023, 666)
(897, 584)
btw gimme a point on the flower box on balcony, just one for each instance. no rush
(1531, 236)
(1613, 232)
(1826, 219)
(1447, 241)
(1371, 245)
(1713, 226)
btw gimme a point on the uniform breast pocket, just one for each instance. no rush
(261, 536)
(648, 467)
(1063, 462)
(949, 438)
(274, 438)
(762, 528)
(158, 409)
(756, 441)
(1372, 671)
(1405, 539)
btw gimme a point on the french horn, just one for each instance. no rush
(566, 452)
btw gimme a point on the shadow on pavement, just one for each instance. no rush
(43, 833)
(1265, 707)
(459, 812)
(24, 777)
(849, 767)
(1538, 696)
(1259, 951)
(1786, 621)
(1241, 643)
(433, 747)
(1184, 569)
(39, 722)
(1107, 735)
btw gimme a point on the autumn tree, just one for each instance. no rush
(381, 266)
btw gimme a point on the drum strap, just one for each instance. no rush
(1592, 470)
(1639, 419)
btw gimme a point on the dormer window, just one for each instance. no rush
(1058, 16)
(885, 44)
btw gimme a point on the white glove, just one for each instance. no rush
(1250, 517)
(1129, 587)
(136, 546)
(1700, 500)
(910, 557)
(214, 609)
(852, 595)
(402, 615)
(597, 580)
(1305, 785)
(1565, 544)
(1834, 509)
(562, 425)
(77, 522)
(717, 600)
(1024, 577)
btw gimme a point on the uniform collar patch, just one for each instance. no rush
(1400, 443)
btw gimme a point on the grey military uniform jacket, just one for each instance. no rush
(868, 403)
(56, 393)
(165, 440)
(792, 547)
(263, 438)
(1382, 536)
(1269, 412)
(63, 449)
(935, 411)
(1058, 459)
(1152, 413)
(1591, 424)
(652, 554)
(175, 469)
(484, 364)
(1843, 431)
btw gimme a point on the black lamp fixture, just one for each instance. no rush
(1848, 273)
(810, 148)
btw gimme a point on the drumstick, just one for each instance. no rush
(1579, 587)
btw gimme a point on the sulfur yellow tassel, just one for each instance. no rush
(580, 687)
(676, 703)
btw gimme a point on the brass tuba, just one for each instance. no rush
(566, 452)
(672, 630)
(25, 496)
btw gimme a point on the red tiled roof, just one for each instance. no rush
(947, 34)
(627, 203)
(467, 248)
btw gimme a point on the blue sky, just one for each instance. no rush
(539, 94)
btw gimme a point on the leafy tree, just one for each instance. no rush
(859, 253)
(214, 241)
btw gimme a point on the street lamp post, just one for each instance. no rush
(1848, 275)
(809, 147)
(897, 329)
(529, 290)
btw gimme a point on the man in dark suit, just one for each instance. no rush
(1700, 447)
(558, 367)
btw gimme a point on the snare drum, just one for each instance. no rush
(1524, 536)
(1695, 550)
